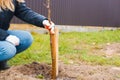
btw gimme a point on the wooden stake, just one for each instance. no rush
(54, 53)
(54, 45)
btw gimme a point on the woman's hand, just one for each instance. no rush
(49, 25)
(13, 39)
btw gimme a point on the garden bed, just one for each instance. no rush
(40, 71)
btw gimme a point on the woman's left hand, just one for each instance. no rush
(49, 25)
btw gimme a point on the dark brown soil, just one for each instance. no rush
(33, 71)
(38, 71)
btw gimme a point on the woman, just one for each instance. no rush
(16, 41)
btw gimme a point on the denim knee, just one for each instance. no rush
(7, 50)
(29, 38)
(26, 38)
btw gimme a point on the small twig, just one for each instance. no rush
(47, 5)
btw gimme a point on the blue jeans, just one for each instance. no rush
(8, 50)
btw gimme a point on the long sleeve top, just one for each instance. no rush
(22, 12)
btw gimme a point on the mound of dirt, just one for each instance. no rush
(40, 71)
(31, 71)
(36, 69)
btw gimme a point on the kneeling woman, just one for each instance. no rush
(13, 42)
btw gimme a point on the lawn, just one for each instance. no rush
(74, 47)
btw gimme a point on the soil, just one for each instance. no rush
(81, 71)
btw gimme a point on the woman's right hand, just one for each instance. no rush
(13, 39)
(49, 25)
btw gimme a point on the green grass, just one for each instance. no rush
(73, 46)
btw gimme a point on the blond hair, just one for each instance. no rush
(8, 4)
